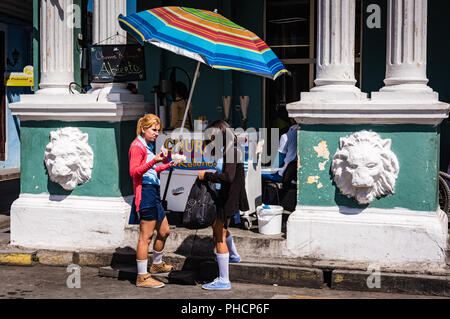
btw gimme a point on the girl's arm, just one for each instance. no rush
(136, 157)
(227, 176)
(162, 167)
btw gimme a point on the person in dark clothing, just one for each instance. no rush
(232, 198)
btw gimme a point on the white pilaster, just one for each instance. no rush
(104, 22)
(106, 30)
(335, 52)
(56, 43)
(406, 56)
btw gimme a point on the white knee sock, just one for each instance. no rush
(223, 260)
(157, 256)
(142, 266)
(231, 247)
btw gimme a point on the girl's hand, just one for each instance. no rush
(201, 175)
(164, 151)
(160, 157)
(172, 164)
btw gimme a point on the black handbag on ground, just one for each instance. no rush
(200, 211)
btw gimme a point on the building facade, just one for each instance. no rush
(356, 66)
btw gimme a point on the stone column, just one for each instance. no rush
(406, 58)
(106, 30)
(105, 24)
(56, 43)
(335, 47)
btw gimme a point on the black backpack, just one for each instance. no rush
(200, 211)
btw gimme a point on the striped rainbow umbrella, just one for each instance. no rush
(205, 36)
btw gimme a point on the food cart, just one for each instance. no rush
(184, 175)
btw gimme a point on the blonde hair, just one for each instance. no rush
(147, 121)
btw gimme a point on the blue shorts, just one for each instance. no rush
(150, 207)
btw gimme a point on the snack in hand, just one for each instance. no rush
(178, 158)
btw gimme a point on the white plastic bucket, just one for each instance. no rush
(269, 219)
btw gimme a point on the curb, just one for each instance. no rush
(205, 269)
(391, 283)
(10, 255)
(16, 257)
(120, 264)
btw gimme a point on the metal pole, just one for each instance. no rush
(190, 95)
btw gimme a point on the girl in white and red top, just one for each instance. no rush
(147, 207)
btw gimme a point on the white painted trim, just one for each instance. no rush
(344, 211)
(82, 107)
(76, 199)
(368, 112)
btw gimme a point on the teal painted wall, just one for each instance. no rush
(438, 68)
(212, 84)
(415, 146)
(110, 143)
(374, 50)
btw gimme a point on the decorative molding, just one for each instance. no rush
(80, 107)
(364, 167)
(401, 214)
(368, 112)
(69, 158)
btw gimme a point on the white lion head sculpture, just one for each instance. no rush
(69, 158)
(364, 167)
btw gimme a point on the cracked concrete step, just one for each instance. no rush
(4, 236)
(4, 221)
(199, 242)
(205, 269)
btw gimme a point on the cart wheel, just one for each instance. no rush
(247, 224)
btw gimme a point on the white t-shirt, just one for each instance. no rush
(288, 146)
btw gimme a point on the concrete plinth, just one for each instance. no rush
(368, 235)
(68, 222)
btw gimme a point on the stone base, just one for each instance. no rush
(387, 236)
(69, 222)
(339, 93)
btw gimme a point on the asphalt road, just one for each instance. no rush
(48, 282)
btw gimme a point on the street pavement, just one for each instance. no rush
(50, 282)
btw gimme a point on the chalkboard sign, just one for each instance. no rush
(117, 63)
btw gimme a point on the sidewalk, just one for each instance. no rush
(191, 251)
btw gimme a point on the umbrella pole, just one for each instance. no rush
(182, 125)
(190, 95)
